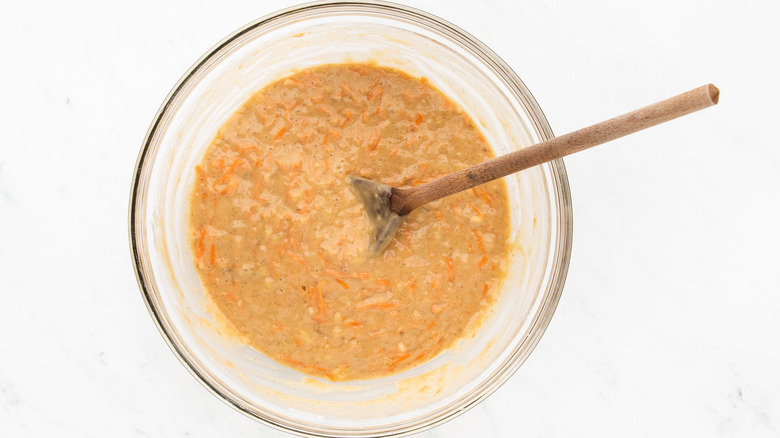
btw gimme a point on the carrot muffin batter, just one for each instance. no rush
(280, 242)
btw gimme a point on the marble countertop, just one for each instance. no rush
(669, 324)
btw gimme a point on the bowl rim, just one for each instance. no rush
(562, 234)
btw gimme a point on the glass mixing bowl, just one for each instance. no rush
(264, 51)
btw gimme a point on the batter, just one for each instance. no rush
(280, 242)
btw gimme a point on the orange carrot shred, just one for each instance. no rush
(280, 133)
(347, 90)
(201, 243)
(297, 257)
(486, 196)
(347, 116)
(374, 142)
(437, 289)
(480, 242)
(438, 308)
(355, 275)
(293, 82)
(400, 357)
(383, 282)
(482, 261)
(322, 313)
(324, 259)
(476, 210)
(450, 268)
(376, 333)
(342, 283)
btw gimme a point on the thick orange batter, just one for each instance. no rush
(281, 243)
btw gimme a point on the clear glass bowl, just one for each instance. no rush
(275, 46)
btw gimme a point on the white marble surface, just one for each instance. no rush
(670, 321)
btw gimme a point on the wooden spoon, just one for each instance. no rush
(388, 206)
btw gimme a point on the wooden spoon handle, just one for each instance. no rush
(405, 200)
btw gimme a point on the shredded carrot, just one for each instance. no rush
(381, 301)
(480, 241)
(400, 357)
(375, 91)
(229, 297)
(293, 362)
(382, 306)
(351, 323)
(450, 268)
(347, 89)
(383, 282)
(355, 275)
(280, 133)
(225, 184)
(482, 261)
(438, 308)
(342, 283)
(376, 333)
(347, 116)
(297, 257)
(362, 71)
(322, 313)
(327, 109)
(418, 120)
(374, 142)
(393, 153)
(476, 210)
(324, 259)
(297, 341)
(437, 289)
(201, 243)
(485, 289)
(488, 198)
(293, 82)
(212, 255)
